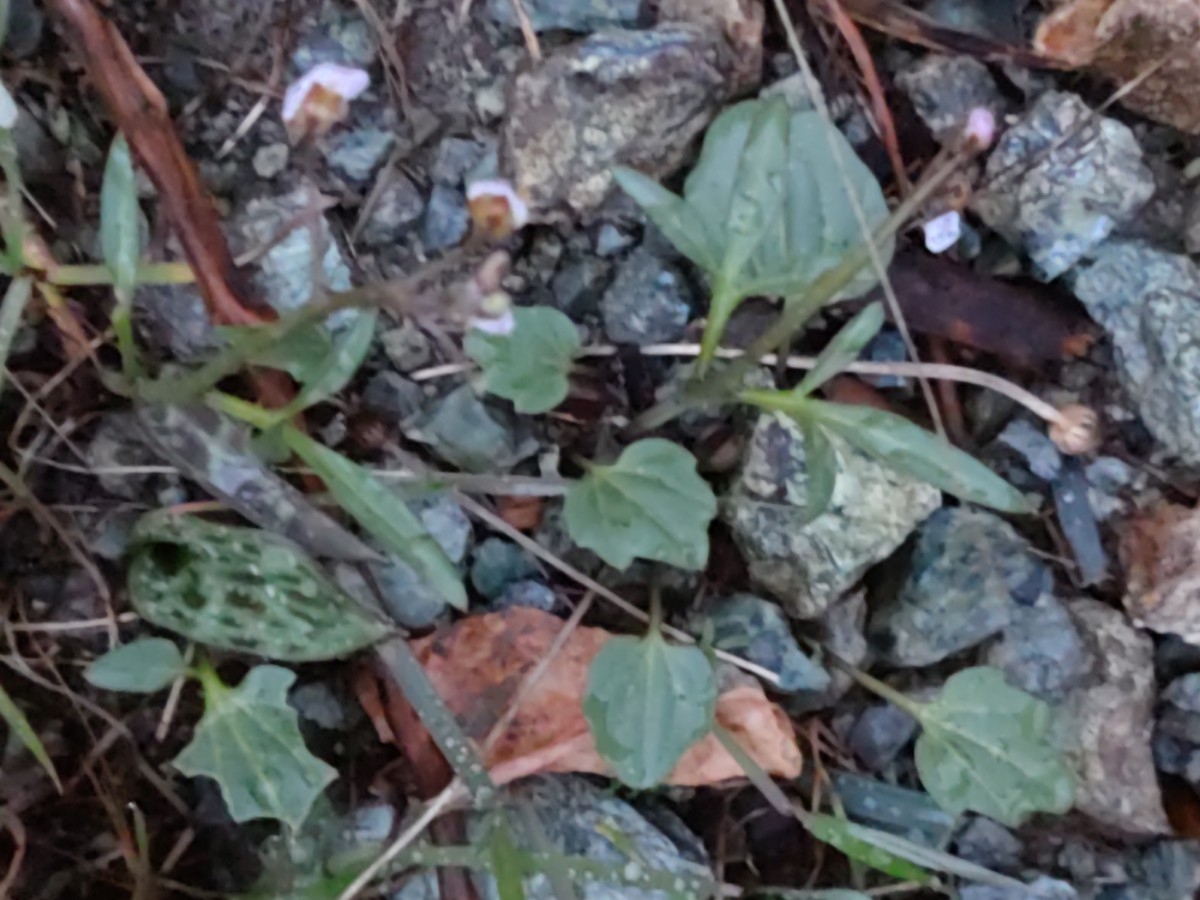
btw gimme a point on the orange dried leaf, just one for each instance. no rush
(480, 663)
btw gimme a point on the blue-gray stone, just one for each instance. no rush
(1061, 180)
(989, 844)
(968, 574)
(527, 593)
(455, 158)
(358, 153)
(474, 435)
(649, 301)
(341, 37)
(392, 396)
(497, 564)
(1042, 888)
(757, 629)
(567, 15)
(1042, 652)
(879, 734)
(398, 206)
(446, 218)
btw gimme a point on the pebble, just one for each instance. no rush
(1042, 888)
(341, 37)
(447, 220)
(527, 593)
(757, 630)
(1145, 299)
(579, 286)
(968, 574)
(392, 396)
(879, 734)
(580, 16)
(611, 240)
(810, 564)
(649, 302)
(271, 159)
(497, 565)
(174, 319)
(1041, 651)
(407, 347)
(989, 844)
(633, 98)
(473, 435)
(398, 206)
(1056, 202)
(358, 153)
(456, 157)
(945, 89)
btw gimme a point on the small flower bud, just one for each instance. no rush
(1077, 430)
(320, 98)
(495, 315)
(496, 208)
(980, 130)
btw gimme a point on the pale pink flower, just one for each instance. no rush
(496, 208)
(319, 98)
(981, 128)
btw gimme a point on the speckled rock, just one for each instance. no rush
(944, 90)
(447, 220)
(398, 207)
(567, 15)
(634, 98)
(1108, 721)
(284, 275)
(1059, 204)
(578, 818)
(472, 434)
(1041, 651)
(118, 443)
(879, 734)
(967, 575)
(756, 629)
(841, 630)
(647, 303)
(809, 564)
(357, 153)
(1177, 731)
(1145, 300)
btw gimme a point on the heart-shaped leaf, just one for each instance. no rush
(650, 503)
(120, 225)
(986, 747)
(248, 741)
(242, 589)
(377, 508)
(897, 442)
(646, 703)
(767, 208)
(530, 365)
(141, 667)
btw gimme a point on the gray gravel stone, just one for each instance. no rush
(446, 218)
(1145, 300)
(527, 593)
(473, 435)
(497, 564)
(647, 303)
(1041, 651)
(397, 208)
(809, 564)
(567, 15)
(757, 630)
(407, 347)
(392, 396)
(341, 36)
(988, 843)
(635, 98)
(358, 153)
(173, 317)
(968, 574)
(271, 159)
(879, 734)
(579, 286)
(455, 157)
(944, 90)
(1042, 888)
(1059, 204)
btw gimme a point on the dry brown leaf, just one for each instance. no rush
(1125, 40)
(478, 665)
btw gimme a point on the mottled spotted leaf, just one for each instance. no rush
(242, 589)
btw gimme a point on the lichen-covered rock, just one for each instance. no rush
(633, 98)
(809, 564)
(1145, 300)
(968, 575)
(944, 90)
(1108, 721)
(1056, 198)
(647, 303)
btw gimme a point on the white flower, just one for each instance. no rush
(981, 128)
(942, 232)
(496, 207)
(319, 98)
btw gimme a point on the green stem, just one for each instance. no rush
(244, 410)
(122, 322)
(877, 687)
(215, 689)
(12, 310)
(14, 218)
(724, 301)
(93, 275)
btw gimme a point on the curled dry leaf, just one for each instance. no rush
(480, 663)
(1150, 41)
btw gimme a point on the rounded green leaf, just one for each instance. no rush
(141, 667)
(650, 503)
(242, 589)
(646, 703)
(249, 742)
(530, 366)
(987, 747)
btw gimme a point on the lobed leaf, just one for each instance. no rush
(140, 667)
(986, 747)
(646, 703)
(529, 366)
(650, 503)
(249, 742)
(242, 589)
(120, 218)
(377, 508)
